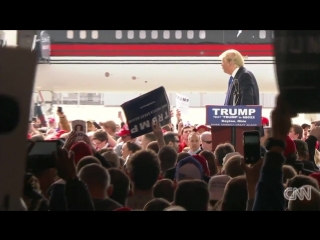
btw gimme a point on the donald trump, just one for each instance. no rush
(242, 87)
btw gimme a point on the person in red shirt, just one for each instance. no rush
(184, 137)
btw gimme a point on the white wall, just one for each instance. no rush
(11, 37)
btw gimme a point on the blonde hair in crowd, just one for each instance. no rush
(233, 56)
(193, 133)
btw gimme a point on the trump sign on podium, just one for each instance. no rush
(142, 111)
(245, 116)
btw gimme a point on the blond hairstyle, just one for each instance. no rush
(193, 133)
(233, 56)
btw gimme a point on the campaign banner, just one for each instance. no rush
(140, 112)
(248, 116)
(182, 103)
(17, 75)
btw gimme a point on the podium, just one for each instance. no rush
(229, 122)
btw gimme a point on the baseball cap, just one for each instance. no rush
(51, 120)
(189, 168)
(187, 124)
(290, 147)
(316, 176)
(207, 128)
(217, 185)
(124, 131)
(265, 121)
(203, 163)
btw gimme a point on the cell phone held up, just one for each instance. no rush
(251, 146)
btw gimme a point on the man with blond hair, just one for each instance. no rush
(243, 88)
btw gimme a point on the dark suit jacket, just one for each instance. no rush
(247, 88)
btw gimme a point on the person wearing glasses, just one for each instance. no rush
(206, 141)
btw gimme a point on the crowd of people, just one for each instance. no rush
(173, 168)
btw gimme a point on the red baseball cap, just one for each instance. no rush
(51, 120)
(316, 176)
(290, 147)
(202, 126)
(124, 131)
(265, 121)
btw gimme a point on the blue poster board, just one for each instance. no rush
(142, 111)
(244, 116)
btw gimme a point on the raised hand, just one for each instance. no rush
(252, 172)
(70, 140)
(64, 161)
(156, 127)
(120, 116)
(281, 119)
(178, 114)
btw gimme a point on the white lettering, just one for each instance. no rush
(233, 111)
(134, 120)
(224, 111)
(145, 124)
(215, 111)
(154, 120)
(135, 129)
(166, 115)
(251, 111)
(243, 112)
(302, 193)
(160, 117)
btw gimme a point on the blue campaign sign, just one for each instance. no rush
(247, 116)
(142, 111)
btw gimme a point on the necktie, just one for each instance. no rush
(230, 81)
(229, 90)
